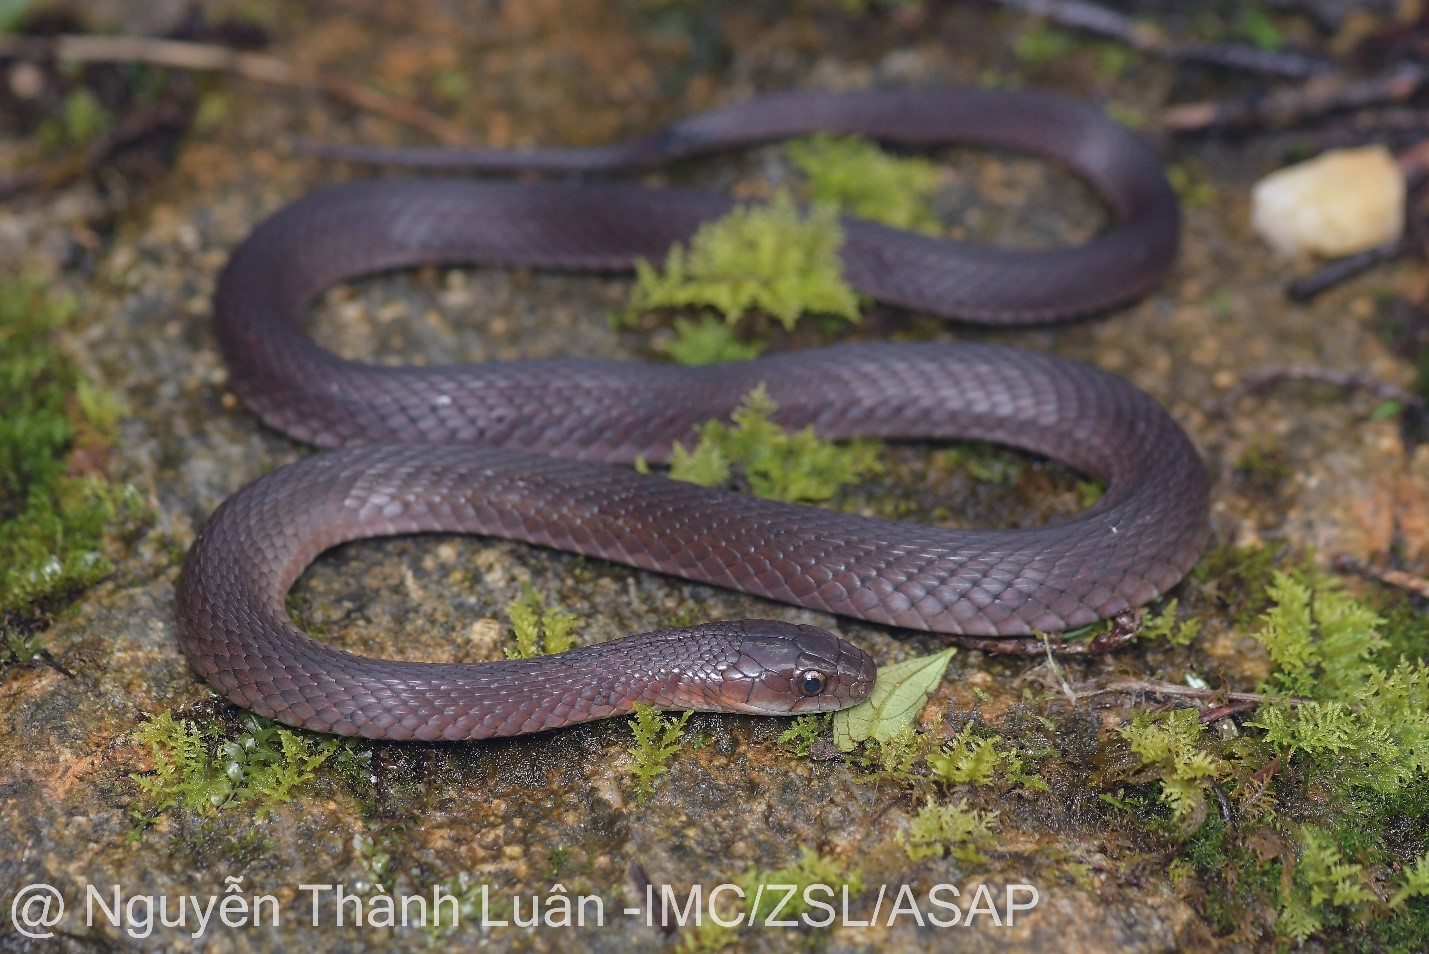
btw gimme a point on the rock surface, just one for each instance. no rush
(524, 815)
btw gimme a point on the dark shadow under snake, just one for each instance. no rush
(524, 449)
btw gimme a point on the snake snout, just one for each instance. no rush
(786, 669)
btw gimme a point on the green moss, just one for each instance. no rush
(1040, 46)
(1330, 779)
(707, 341)
(1365, 721)
(812, 869)
(81, 120)
(1164, 625)
(537, 630)
(773, 462)
(1256, 25)
(1237, 580)
(952, 829)
(769, 258)
(802, 733)
(858, 178)
(657, 739)
(1415, 883)
(968, 759)
(1193, 186)
(54, 525)
(778, 893)
(985, 462)
(198, 768)
(1321, 877)
(1169, 747)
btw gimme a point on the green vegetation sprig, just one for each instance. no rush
(856, 177)
(53, 525)
(538, 630)
(198, 769)
(776, 463)
(769, 258)
(657, 739)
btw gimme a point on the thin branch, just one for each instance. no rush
(167, 116)
(1156, 687)
(1266, 378)
(259, 67)
(1153, 41)
(1396, 578)
(1123, 630)
(1057, 671)
(1293, 105)
(1343, 269)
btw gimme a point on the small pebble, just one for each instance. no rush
(1342, 202)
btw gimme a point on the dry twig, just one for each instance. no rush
(1153, 41)
(258, 67)
(1293, 105)
(1266, 378)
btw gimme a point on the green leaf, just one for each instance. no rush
(899, 694)
(1386, 410)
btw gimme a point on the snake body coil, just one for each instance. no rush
(523, 449)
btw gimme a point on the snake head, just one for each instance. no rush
(786, 669)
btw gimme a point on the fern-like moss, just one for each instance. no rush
(536, 629)
(775, 463)
(952, 829)
(1361, 725)
(1164, 625)
(769, 258)
(198, 769)
(810, 870)
(858, 178)
(707, 341)
(802, 733)
(657, 739)
(1322, 877)
(972, 760)
(1169, 746)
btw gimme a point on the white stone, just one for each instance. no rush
(1339, 203)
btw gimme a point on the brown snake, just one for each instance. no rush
(524, 449)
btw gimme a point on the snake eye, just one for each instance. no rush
(812, 683)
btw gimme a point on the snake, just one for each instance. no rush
(536, 450)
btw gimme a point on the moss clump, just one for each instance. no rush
(812, 869)
(1328, 783)
(1360, 726)
(1321, 877)
(855, 176)
(1039, 47)
(984, 462)
(1169, 746)
(802, 733)
(53, 522)
(537, 630)
(198, 768)
(952, 829)
(707, 341)
(657, 739)
(969, 759)
(773, 462)
(1164, 625)
(81, 120)
(781, 893)
(770, 258)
